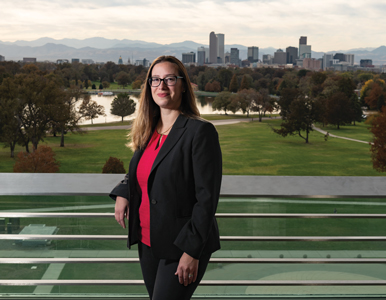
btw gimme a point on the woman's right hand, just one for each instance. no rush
(121, 210)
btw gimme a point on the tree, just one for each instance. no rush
(113, 166)
(101, 86)
(136, 84)
(40, 161)
(234, 85)
(41, 99)
(338, 109)
(123, 79)
(10, 108)
(93, 86)
(90, 109)
(105, 84)
(244, 85)
(261, 102)
(122, 106)
(299, 117)
(378, 148)
(224, 77)
(222, 101)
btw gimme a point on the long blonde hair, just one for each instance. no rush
(149, 112)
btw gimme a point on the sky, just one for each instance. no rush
(328, 24)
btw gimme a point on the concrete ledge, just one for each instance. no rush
(272, 186)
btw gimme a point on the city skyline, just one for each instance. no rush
(275, 23)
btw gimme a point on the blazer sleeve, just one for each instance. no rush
(207, 171)
(121, 189)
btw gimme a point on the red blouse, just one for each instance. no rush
(143, 173)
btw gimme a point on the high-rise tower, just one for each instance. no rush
(213, 48)
(220, 47)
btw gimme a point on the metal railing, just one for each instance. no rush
(233, 185)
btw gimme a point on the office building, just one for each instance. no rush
(201, 56)
(304, 51)
(292, 55)
(142, 62)
(29, 60)
(75, 60)
(280, 57)
(365, 63)
(253, 54)
(213, 48)
(311, 64)
(234, 57)
(2, 58)
(188, 58)
(349, 58)
(267, 59)
(227, 57)
(303, 40)
(87, 61)
(339, 56)
(220, 48)
(327, 61)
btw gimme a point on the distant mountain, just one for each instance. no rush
(102, 50)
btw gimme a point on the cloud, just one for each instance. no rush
(338, 24)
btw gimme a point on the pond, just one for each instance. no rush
(204, 105)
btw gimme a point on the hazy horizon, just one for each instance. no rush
(329, 24)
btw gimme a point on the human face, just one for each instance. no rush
(167, 97)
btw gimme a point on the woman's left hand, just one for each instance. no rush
(187, 269)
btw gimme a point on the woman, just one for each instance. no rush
(171, 191)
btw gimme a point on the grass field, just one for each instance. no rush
(250, 148)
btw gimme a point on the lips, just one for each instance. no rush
(162, 95)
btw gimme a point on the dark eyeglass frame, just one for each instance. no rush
(163, 79)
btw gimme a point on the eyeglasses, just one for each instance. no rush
(169, 80)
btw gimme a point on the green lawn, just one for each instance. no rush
(358, 131)
(113, 86)
(249, 148)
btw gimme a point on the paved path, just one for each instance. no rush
(214, 122)
(339, 137)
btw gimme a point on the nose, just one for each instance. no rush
(163, 85)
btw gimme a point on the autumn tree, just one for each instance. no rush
(261, 102)
(244, 85)
(233, 85)
(122, 105)
(42, 160)
(105, 84)
(222, 101)
(90, 109)
(136, 84)
(113, 166)
(123, 79)
(378, 148)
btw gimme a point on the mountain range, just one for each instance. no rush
(102, 50)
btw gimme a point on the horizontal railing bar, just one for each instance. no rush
(218, 215)
(202, 283)
(223, 238)
(12, 260)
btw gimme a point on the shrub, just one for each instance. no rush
(113, 166)
(42, 160)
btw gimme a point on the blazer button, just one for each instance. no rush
(153, 201)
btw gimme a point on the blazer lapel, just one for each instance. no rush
(173, 137)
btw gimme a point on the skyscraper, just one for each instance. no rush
(292, 55)
(280, 57)
(234, 58)
(201, 56)
(220, 46)
(188, 58)
(253, 54)
(304, 49)
(213, 48)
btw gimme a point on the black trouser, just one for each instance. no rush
(160, 281)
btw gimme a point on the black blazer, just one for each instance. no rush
(183, 187)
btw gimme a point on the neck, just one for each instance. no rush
(167, 119)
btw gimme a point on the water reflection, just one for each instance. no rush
(204, 105)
